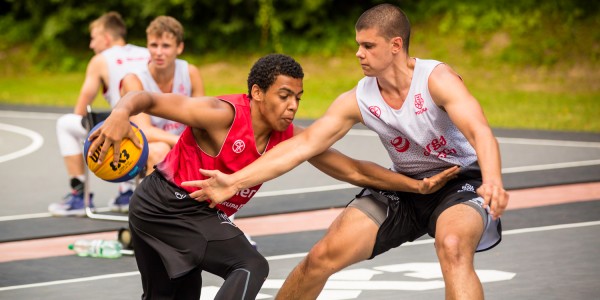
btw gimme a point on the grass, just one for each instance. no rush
(564, 98)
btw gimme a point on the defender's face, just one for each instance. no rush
(374, 51)
(163, 49)
(99, 40)
(279, 103)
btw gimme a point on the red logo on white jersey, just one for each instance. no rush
(437, 146)
(375, 110)
(400, 144)
(119, 61)
(182, 89)
(238, 146)
(419, 101)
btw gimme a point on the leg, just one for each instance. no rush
(243, 268)
(350, 239)
(70, 135)
(458, 231)
(156, 283)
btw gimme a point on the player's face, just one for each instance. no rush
(280, 102)
(374, 52)
(99, 40)
(163, 50)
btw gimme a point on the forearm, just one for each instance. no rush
(488, 155)
(362, 173)
(133, 103)
(279, 160)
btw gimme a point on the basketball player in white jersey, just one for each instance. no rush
(112, 60)
(164, 73)
(427, 120)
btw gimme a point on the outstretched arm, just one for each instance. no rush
(318, 137)
(202, 112)
(368, 174)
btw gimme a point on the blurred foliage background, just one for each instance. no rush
(521, 58)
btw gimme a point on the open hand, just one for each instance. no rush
(111, 133)
(217, 188)
(434, 183)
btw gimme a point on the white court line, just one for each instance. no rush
(36, 142)
(29, 115)
(293, 255)
(356, 132)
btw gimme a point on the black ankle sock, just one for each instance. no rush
(77, 185)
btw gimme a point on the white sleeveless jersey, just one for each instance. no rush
(122, 60)
(419, 137)
(182, 84)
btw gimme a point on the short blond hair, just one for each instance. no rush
(166, 24)
(112, 23)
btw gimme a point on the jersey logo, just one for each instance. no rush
(224, 219)
(437, 146)
(400, 144)
(119, 61)
(419, 101)
(375, 110)
(238, 146)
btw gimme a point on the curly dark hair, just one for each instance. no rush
(267, 68)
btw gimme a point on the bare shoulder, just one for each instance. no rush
(97, 62)
(445, 85)
(345, 106)
(193, 70)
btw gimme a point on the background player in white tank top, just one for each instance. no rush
(112, 60)
(163, 73)
(382, 35)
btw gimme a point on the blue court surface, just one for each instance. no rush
(549, 248)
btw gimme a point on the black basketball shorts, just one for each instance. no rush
(404, 217)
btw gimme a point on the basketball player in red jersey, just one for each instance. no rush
(176, 237)
(427, 120)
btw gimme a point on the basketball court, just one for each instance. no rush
(549, 249)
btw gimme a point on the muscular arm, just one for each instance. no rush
(203, 112)
(132, 83)
(318, 137)
(91, 84)
(449, 92)
(368, 174)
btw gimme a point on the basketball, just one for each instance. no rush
(131, 160)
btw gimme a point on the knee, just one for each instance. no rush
(452, 249)
(258, 266)
(157, 152)
(66, 123)
(320, 259)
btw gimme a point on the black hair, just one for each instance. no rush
(266, 69)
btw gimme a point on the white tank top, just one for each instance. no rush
(182, 84)
(419, 137)
(122, 60)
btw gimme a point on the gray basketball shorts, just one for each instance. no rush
(404, 217)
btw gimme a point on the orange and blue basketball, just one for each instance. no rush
(131, 160)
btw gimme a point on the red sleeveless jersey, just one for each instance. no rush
(238, 150)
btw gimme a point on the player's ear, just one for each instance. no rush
(396, 44)
(180, 48)
(257, 93)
